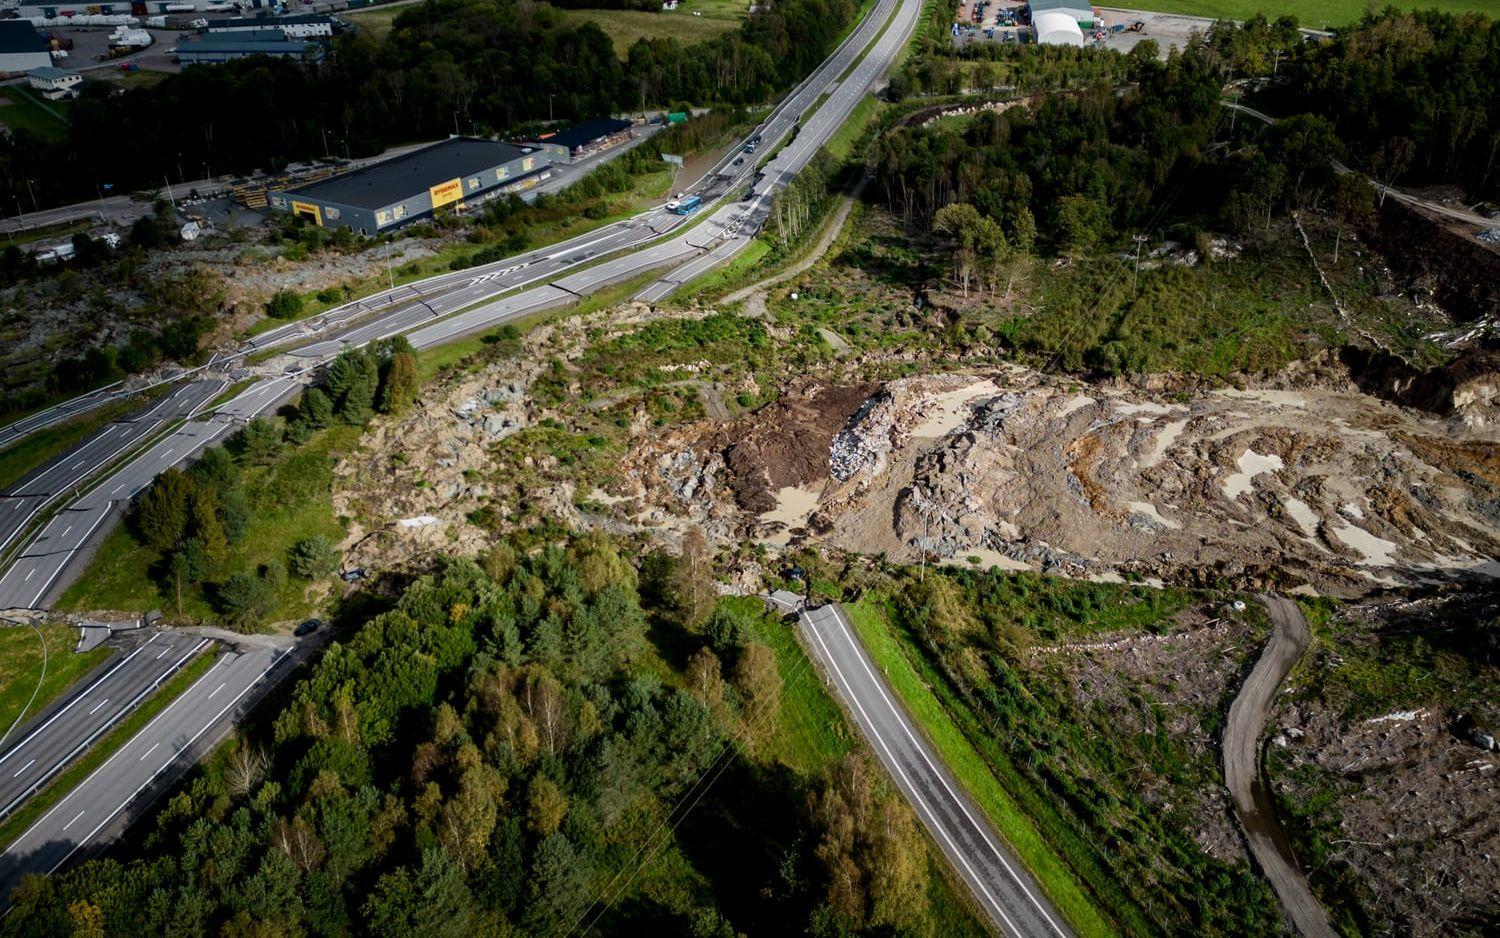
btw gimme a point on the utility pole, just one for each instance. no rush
(549, 106)
(389, 272)
(1135, 278)
(170, 198)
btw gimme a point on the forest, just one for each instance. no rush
(475, 66)
(540, 740)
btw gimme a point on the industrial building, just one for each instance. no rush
(308, 26)
(214, 49)
(29, 10)
(22, 48)
(395, 192)
(54, 83)
(581, 140)
(1060, 22)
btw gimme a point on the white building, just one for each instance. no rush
(54, 83)
(1060, 22)
(306, 26)
(22, 48)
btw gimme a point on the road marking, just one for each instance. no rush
(29, 574)
(65, 531)
(216, 690)
(163, 652)
(148, 752)
(117, 488)
(98, 705)
(76, 464)
(23, 768)
(75, 818)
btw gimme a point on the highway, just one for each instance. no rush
(24, 500)
(87, 815)
(1004, 889)
(81, 522)
(68, 729)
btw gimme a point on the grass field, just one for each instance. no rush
(376, 20)
(26, 110)
(969, 767)
(21, 666)
(626, 26)
(35, 450)
(1310, 13)
(16, 825)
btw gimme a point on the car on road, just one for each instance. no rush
(308, 627)
(739, 160)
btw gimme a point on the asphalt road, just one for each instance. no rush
(1010, 897)
(1252, 803)
(22, 502)
(79, 819)
(64, 732)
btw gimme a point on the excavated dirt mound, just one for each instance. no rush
(785, 443)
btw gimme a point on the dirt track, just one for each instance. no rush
(1252, 803)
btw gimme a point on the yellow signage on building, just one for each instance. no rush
(443, 193)
(307, 210)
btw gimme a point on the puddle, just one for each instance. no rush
(987, 558)
(794, 505)
(1306, 518)
(946, 412)
(1163, 442)
(1149, 510)
(1377, 551)
(1251, 465)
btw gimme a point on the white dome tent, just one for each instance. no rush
(1054, 27)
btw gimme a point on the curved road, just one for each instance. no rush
(1002, 886)
(1252, 803)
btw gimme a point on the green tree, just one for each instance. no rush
(399, 387)
(284, 304)
(207, 527)
(260, 441)
(312, 557)
(1081, 222)
(546, 806)
(315, 410)
(244, 599)
(162, 517)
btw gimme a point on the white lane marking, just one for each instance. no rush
(98, 705)
(76, 464)
(29, 574)
(162, 655)
(117, 488)
(148, 752)
(75, 818)
(23, 768)
(65, 531)
(216, 690)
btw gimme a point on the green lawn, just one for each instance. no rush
(15, 825)
(34, 450)
(24, 109)
(290, 499)
(971, 771)
(21, 667)
(1310, 13)
(626, 26)
(375, 20)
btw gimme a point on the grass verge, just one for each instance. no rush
(1309, 13)
(16, 825)
(971, 771)
(21, 662)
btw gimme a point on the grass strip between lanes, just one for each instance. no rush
(55, 790)
(961, 758)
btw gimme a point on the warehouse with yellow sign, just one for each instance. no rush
(456, 173)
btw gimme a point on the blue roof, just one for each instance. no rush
(49, 73)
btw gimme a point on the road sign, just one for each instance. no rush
(672, 158)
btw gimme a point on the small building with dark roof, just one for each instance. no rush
(22, 48)
(581, 140)
(385, 195)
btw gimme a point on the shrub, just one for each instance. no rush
(312, 557)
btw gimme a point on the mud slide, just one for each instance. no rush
(1252, 802)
